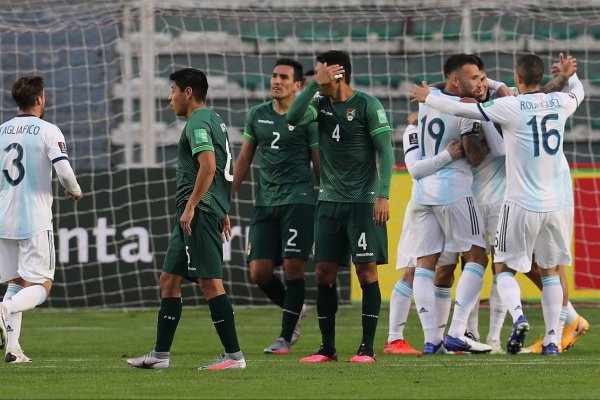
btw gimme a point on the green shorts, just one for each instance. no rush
(199, 255)
(344, 230)
(280, 232)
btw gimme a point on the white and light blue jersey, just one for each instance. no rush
(28, 148)
(568, 183)
(533, 128)
(436, 129)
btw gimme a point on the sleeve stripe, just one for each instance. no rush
(57, 159)
(380, 130)
(314, 145)
(410, 149)
(249, 137)
(198, 149)
(470, 133)
(314, 112)
(576, 99)
(482, 112)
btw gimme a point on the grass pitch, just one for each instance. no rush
(82, 355)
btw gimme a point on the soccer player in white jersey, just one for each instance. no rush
(445, 214)
(401, 296)
(30, 147)
(534, 216)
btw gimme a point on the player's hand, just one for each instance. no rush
(381, 211)
(412, 119)
(226, 234)
(504, 91)
(327, 73)
(455, 149)
(564, 66)
(186, 220)
(419, 93)
(74, 197)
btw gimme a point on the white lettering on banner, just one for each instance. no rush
(137, 248)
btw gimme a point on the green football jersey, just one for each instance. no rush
(285, 174)
(204, 131)
(348, 155)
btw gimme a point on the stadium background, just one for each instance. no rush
(106, 66)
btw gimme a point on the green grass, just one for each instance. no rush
(81, 355)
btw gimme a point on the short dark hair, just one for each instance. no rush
(298, 70)
(339, 57)
(530, 69)
(26, 90)
(457, 61)
(480, 63)
(193, 78)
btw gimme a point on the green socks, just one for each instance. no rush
(221, 313)
(168, 319)
(327, 304)
(292, 306)
(371, 305)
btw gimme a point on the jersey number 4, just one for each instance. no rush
(17, 164)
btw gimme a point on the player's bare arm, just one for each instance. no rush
(205, 176)
(561, 71)
(242, 164)
(381, 210)
(475, 149)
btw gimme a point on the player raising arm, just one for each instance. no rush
(534, 216)
(31, 147)
(353, 208)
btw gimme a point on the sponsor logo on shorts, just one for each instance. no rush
(293, 250)
(364, 254)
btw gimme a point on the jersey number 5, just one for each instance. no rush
(17, 163)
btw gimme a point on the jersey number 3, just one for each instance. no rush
(17, 163)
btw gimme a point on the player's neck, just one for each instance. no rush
(452, 90)
(528, 89)
(281, 106)
(36, 111)
(193, 106)
(342, 93)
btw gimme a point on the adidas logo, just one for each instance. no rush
(8, 328)
(551, 332)
(457, 304)
(518, 308)
(422, 310)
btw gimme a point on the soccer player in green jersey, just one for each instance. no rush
(352, 208)
(195, 252)
(281, 230)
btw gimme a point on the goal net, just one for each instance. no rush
(106, 66)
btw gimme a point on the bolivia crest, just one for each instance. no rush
(350, 113)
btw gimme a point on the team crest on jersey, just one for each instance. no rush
(201, 135)
(487, 103)
(350, 113)
(381, 116)
(413, 138)
(290, 127)
(63, 147)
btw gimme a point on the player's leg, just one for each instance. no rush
(497, 316)
(331, 249)
(462, 225)
(442, 286)
(175, 267)
(575, 326)
(14, 352)
(297, 232)
(205, 248)
(36, 266)
(9, 254)
(428, 243)
(400, 301)
(264, 253)
(514, 243)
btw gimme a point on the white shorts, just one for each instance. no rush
(490, 214)
(521, 233)
(32, 259)
(453, 228)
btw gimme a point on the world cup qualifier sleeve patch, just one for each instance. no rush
(63, 147)
(201, 135)
(413, 138)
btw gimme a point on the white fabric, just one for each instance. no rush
(417, 167)
(455, 228)
(31, 259)
(30, 145)
(66, 176)
(26, 299)
(521, 233)
(510, 293)
(489, 215)
(533, 128)
(436, 129)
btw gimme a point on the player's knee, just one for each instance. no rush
(325, 276)
(409, 275)
(261, 276)
(170, 285)
(293, 268)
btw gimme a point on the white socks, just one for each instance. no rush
(399, 307)
(497, 314)
(26, 299)
(510, 293)
(571, 313)
(473, 321)
(467, 292)
(443, 303)
(552, 295)
(425, 304)
(13, 321)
